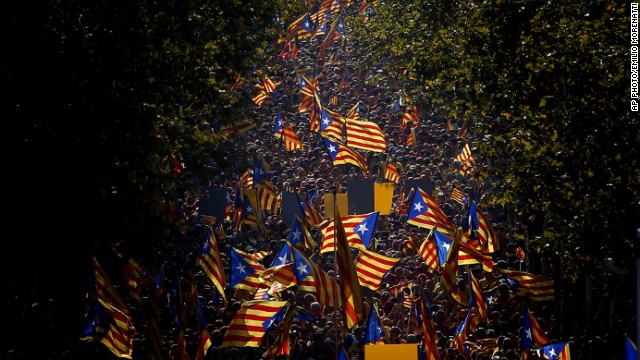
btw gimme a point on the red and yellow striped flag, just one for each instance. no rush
(250, 323)
(210, 261)
(351, 293)
(372, 267)
(365, 135)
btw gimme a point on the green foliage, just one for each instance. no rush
(544, 86)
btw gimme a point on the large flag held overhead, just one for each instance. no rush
(210, 261)
(372, 267)
(251, 323)
(425, 212)
(350, 291)
(535, 287)
(341, 154)
(366, 135)
(358, 228)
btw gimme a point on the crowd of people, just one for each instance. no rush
(345, 86)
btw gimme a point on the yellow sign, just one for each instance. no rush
(391, 351)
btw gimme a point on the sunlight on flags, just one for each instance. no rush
(424, 212)
(478, 302)
(429, 254)
(478, 227)
(391, 173)
(245, 272)
(459, 196)
(250, 324)
(535, 287)
(365, 135)
(465, 158)
(312, 278)
(350, 291)
(449, 276)
(372, 267)
(358, 228)
(211, 263)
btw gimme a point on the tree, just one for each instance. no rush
(543, 88)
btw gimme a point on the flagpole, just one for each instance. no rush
(336, 270)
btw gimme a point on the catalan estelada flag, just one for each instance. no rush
(372, 267)
(350, 291)
(251, 322)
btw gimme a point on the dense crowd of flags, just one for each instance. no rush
(443, 250)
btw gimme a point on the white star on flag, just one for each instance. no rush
(332, 148)
(241, 268)
(296, 234)
(302, 269)
(417, 206)
(362, 228)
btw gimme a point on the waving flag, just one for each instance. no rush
(331, 126)
(477, 227)
(478, 302)
(365, 135)
(443, 244)
(429, 335)
(468, 256)
(211, 263)
(449, 276)
(461, 337)
(114, 327)
(459, 196)
(465, 158)
(424, 212)
(532, 333)
(429, 254)
(391, 173)
(410, 118)
(300, 237)
(359, 230)
(372, 267)
(313, 279)
(251, 323)
(535, 287)
(351, 294)
(341, 154)
(559, 351)
(204, 342)
(312, 215)
(245, 272)
(373, 329)
(284, 256)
